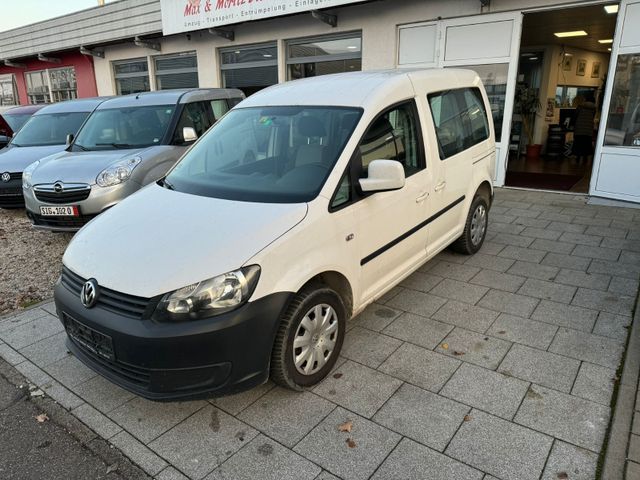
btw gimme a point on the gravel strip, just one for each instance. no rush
(30, 261)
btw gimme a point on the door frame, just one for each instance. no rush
(502, 147)
(601, 150)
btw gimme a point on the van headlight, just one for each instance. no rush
(210, 297)
(118, 172)
(27, 173)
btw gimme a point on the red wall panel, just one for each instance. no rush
(85, 74)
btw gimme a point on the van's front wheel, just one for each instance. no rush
(475, 228)
(309, 338)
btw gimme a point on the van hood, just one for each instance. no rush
(79, 167)
(159, 240)
(16, 159)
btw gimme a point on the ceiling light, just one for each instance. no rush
(608, 49)
(533, 58)
(611, 8)
(267, 55)
(577, 33)
(608, 40)
(527, 54)
(568, 54)
(352, 47)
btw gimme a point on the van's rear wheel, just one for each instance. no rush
(475, 228)
(309, 339)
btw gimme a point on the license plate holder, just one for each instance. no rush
(96, 342)
(60, 211)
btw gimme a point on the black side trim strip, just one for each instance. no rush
(406, 235)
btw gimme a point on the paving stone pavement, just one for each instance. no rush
(499, 365)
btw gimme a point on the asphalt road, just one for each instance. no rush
(58, 448)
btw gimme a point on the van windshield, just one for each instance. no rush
(133, 127)
(49, 129)
(266, 154)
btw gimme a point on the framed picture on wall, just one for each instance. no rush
(581, 67)
(566, 63)
(595, 70)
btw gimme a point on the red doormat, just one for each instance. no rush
(542, 181)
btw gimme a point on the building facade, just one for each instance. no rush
(135, 46)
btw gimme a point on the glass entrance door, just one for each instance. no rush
(617, 156)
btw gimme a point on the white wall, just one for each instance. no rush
(378, 22)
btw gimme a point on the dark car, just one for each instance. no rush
(12, 121)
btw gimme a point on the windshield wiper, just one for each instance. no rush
(163, 183)
(81, 147)
(116, 145)
(15, 144)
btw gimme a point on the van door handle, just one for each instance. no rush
(422, 196)
(439, 186)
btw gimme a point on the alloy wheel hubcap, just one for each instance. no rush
(315, 339)
(478, 224)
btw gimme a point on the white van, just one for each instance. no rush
(301, 206)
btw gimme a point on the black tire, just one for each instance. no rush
(471, 239)
(283, 368)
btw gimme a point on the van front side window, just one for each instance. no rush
(266, 154)
(392, 136)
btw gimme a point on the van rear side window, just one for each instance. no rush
(460, 120)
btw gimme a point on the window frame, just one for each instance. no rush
(459, 92)
(357, 55)
(9, 78)
(354, 167)
(119, 76)
(267, 62)
(159, 73)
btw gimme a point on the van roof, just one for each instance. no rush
(80, 105)
(360, 89)
(171, 97)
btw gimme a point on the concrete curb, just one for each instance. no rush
(613, 467)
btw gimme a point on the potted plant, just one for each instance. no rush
(527, 105)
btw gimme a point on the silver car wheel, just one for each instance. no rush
(478, 224)
(315, 339)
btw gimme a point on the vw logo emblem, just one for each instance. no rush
(89, 293)
(5, 177)
(58, 187)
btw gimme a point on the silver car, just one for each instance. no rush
(43, 134)
(128, 142)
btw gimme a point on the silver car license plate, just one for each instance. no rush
(60, 211)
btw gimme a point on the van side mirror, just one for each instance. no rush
(69, 139)
(383, 175)
(189, 134)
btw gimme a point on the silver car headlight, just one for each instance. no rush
(210, 297)
(27, 173)
(118, 172)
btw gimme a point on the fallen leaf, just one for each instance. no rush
(445, 346)
(455, 352)
(337, 375)
(37, 393)
(467, 418)
(351, 443)
(502, 332)
(112, 468)
(562, 475)
(346, 426)
(43, 417)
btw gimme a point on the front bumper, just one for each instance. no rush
(99, 200)
(161, 361)
(11, 192)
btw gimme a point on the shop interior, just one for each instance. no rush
(563, 65)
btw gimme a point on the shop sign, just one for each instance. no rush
(187, 15)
